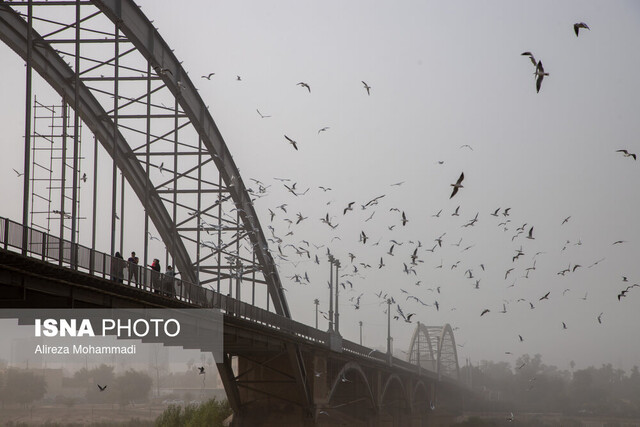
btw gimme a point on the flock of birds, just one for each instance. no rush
(290, 252)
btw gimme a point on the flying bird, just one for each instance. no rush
(102, 387)
(367, 87)
(208, 76)
(303, 84)
(18, 173)
(348, 208)
(546, 296)
(262, 116)
(324, 129)
(201, 370)
(485, 311)
(625, 153)
(530, 236)
(457, 185)
(292, 142)
(507, 273)
(540, 73)
(578, 25)
(530, 55)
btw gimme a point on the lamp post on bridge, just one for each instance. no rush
(316, 302)
(331, 293)
(360, 323)
(389, 339)
(337, 314)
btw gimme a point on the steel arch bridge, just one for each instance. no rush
(113, 69)
(109, 65)
(434, 348)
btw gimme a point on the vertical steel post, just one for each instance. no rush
(238, 266)
(145, 255)
(76, 145)
(219, 255)
(253, 282)
(33, 156)
(95, 193)
(174, 235)
(27, 132)
(122, 214)
(63, 177)
(418, 350)
(199, 215)
(114, 172)
(360, 323)
(94, 201)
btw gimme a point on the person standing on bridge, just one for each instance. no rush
(155, 275)
(170, 275)
(133, 268)
(117, 267)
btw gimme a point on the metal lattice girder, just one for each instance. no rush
(434, 347)
(117, 88)
(423, 348)
(448, 354)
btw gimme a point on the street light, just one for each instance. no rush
(316, 302)
(337, 264)
(331, 293)
(389, 339)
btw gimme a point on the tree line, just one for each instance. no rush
(532, 386)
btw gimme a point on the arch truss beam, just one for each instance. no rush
(111, 66)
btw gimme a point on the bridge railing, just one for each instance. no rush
(52, 249)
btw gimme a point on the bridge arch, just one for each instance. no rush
(351, 390)
(420, 397)
(394, 401)
(176, 213)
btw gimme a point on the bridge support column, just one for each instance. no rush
(267, 391)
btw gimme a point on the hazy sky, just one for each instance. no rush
(442, 75)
